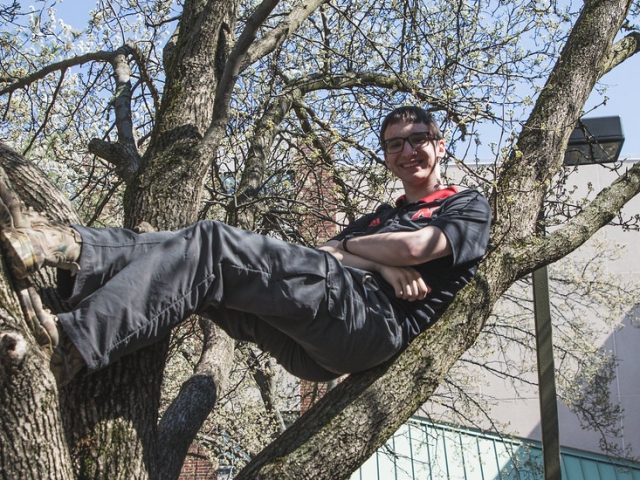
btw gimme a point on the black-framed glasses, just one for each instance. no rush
(396, 144)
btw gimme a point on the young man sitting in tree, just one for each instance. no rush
(321, 312)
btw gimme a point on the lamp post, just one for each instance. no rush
(593, 141)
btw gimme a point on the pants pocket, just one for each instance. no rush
(338, 289)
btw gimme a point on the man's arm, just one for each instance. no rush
(407, 282)
(400, 249)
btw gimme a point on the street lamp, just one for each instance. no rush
(593, 141)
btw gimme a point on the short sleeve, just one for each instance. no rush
(465, 219)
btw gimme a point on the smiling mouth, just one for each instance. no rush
(411, 164)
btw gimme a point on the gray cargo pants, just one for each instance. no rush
(316, 317)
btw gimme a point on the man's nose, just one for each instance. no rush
(407, 148)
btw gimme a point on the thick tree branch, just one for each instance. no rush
(621, 51)
(277, 36)
(122, 156)
(198, 395)
(598, 213)
(539, 150)
(365, 80)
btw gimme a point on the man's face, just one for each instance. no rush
(416, 166)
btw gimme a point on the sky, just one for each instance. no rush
(623, 98)
(624, 101)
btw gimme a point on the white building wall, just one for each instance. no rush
(520, 409)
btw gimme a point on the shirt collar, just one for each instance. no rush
(440, 194)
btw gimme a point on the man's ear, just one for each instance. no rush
(441, 148)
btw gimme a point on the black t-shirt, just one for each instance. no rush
(463, 216)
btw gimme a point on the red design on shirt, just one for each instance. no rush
(422, 213)
(433, 196)
(375, 222)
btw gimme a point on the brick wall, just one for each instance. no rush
(319, 191)
(197, 465)
(310, 393)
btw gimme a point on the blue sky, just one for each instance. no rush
(623, 98)
(624, 101)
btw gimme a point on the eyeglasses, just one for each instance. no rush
(396, 144)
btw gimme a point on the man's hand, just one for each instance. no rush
(406, 282)
(333, 250)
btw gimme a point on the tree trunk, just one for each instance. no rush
(110, 418)
(30, 417)
(168, 188)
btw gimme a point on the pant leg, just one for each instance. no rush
(105, 251)
(250, 328)
(304, 293)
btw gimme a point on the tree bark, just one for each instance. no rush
(173, 158)
(30, 417)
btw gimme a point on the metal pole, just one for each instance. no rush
(546, 376)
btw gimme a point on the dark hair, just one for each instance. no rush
(410, 114)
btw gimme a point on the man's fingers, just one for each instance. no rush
(409, 290)
(412, 289)
(424, 288)
(407, 282)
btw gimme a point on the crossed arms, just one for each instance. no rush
(392, 255)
